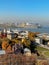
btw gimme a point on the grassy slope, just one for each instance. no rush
(43, 50)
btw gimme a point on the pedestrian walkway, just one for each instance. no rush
(44, 46)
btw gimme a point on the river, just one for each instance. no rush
(41, 30)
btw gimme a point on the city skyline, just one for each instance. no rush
(24, 10)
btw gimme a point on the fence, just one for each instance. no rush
(12, 59)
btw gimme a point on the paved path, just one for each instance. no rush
(44, 46)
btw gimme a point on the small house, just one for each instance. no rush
(12, 35)
(23, 34)
(38, 40)
(43, 38)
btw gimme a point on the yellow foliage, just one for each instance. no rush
(9, 48)
(31, 36)
(26, 41)
(16, 41)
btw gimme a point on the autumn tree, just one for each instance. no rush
(26, 42)
(5, 44)
(0, 43)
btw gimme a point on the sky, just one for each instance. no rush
(24, 10)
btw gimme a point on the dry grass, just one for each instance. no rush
(17, 59)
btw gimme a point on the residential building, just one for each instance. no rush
(38, 40)
(23, 34)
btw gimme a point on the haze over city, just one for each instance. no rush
(34, 11)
